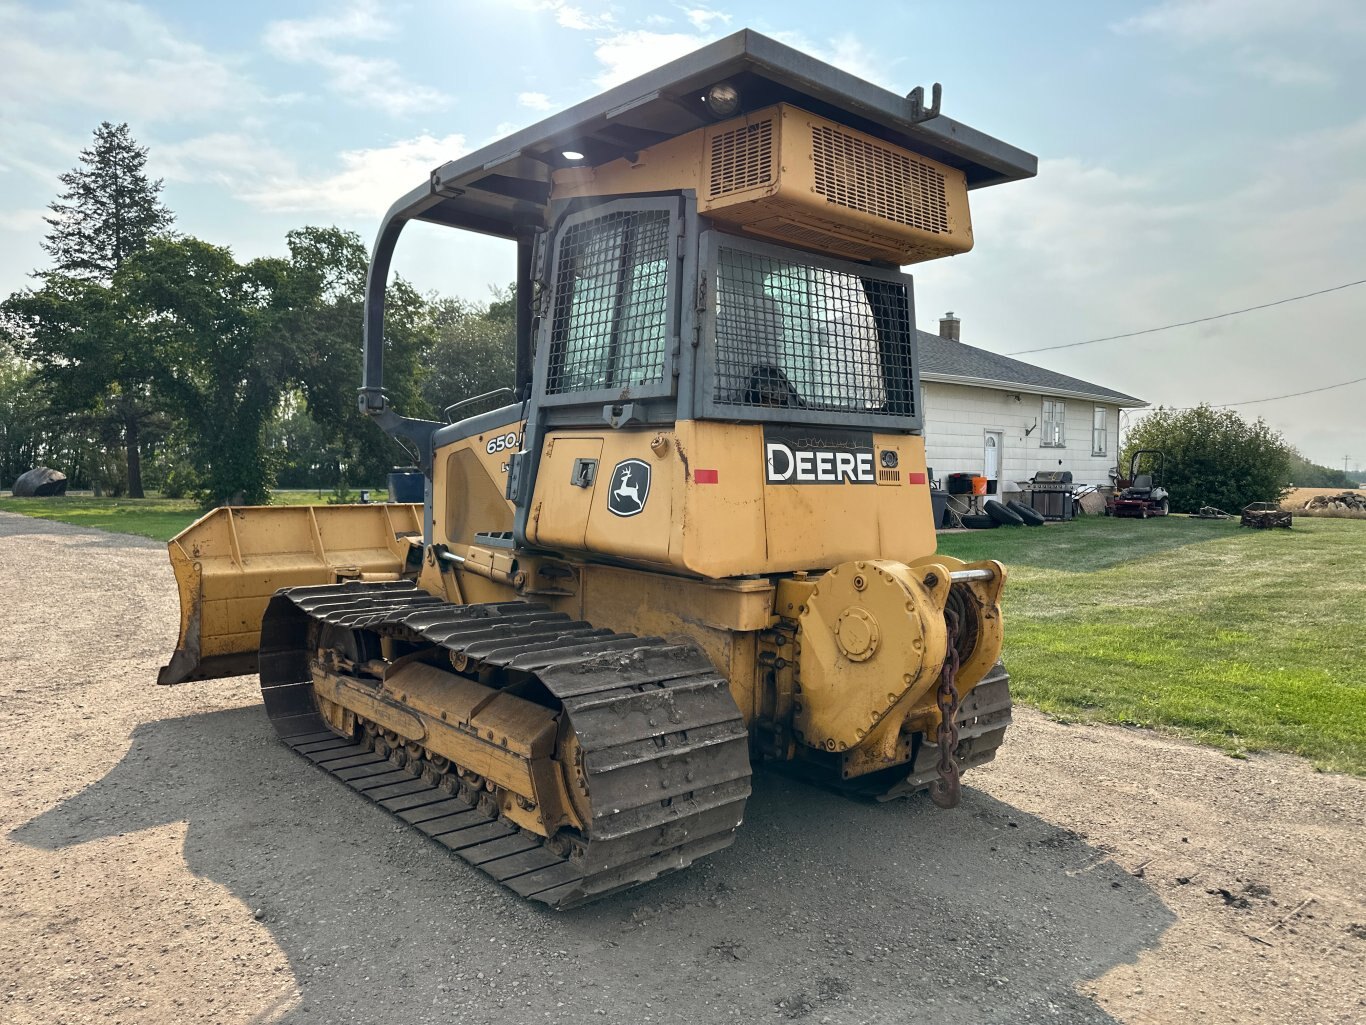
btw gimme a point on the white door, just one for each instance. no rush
(991, 458)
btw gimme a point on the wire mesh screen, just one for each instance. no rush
(793, 335)
(611, 321)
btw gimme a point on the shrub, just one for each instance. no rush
(1214, 457)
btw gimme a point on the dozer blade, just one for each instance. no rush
(229, 562)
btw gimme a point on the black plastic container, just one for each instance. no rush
(406, 484)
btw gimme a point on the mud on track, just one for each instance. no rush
(164, 859)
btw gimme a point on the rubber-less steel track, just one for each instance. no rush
(664, 749)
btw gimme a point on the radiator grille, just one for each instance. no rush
(802, 337)
(741, 159)
(857, 173)
(611, 303)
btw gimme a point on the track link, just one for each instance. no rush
(664, 749)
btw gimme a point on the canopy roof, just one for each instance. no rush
(503, 188)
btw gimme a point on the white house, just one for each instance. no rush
(1007, 419)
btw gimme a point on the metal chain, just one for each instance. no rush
(945, 790)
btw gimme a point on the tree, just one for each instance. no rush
(474, 348)
(22, 433)
(109, 210)
(329, 351)
(228, 333)
(96, 361)
(1214, 457)
(95, 355)
(1306, 474)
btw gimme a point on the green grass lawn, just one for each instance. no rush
(158, 518)
(1248, 640)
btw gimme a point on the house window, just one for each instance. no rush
(1054, 434)
(1099, 432)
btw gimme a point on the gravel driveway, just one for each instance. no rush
(163, 859)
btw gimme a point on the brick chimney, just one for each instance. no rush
(948, 327)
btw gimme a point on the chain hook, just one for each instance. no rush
(945, 790)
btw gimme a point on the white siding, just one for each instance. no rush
(958, 416)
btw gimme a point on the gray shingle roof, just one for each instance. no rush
(945, 360)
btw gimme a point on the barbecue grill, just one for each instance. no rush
(1051, 494)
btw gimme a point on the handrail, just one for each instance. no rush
(472, 400)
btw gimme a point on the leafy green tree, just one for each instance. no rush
(1214, 457)
(473, 348)
(330, 353)
(1307, 474)
(109, 210)
(228, 332)
(22, 433)
(95, 361)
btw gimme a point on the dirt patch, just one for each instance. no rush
(164, 860)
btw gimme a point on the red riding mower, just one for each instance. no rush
(1142, 494)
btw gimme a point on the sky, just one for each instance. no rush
(1195, 156)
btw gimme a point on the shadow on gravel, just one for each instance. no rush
(822, 909)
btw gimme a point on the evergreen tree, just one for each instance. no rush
(109, 210)
(98, 364)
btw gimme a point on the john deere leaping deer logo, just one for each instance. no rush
(630, 487)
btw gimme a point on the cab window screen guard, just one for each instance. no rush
(797, 337)
(611, 307)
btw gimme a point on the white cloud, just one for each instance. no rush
(236, 161)
(702, 17)
(1085, 250)
(628, 54)
(363, 185)
(534, 101)
(307, 38)
(366, 81)
(567, 15)
(117, 58)
(1070, 218)
(844, 51)
(366, 183)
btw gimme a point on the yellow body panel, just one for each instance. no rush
(738, 525)
(802, 180)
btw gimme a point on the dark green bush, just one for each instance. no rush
(1214, 457)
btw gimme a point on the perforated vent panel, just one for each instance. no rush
(741, 159)
(857, 173)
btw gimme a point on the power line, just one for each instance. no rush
(1292, 395)
(1273, 398)
(1187, 323)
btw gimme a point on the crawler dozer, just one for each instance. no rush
(697, 533)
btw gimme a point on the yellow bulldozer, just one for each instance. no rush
(697, 533)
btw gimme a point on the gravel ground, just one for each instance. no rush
(163, 859)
